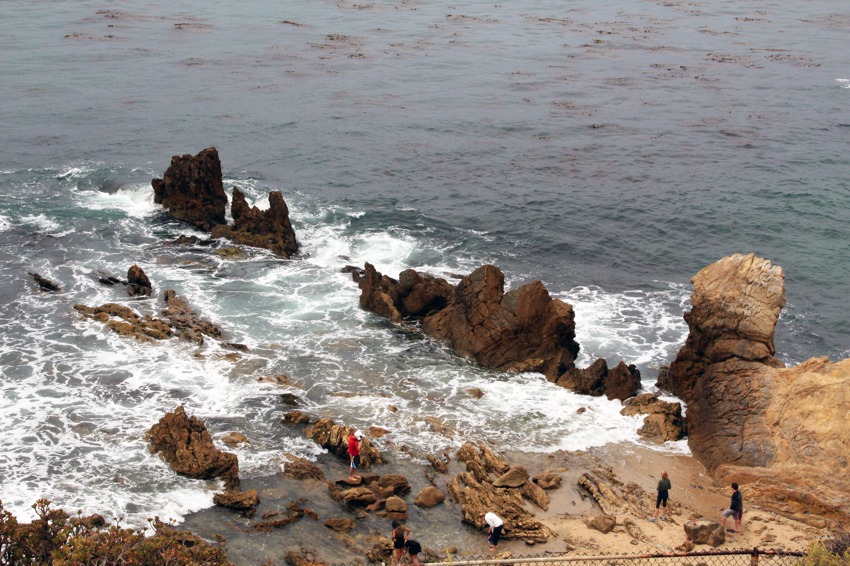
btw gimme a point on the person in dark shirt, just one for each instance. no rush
(736, 509)
(413, 550)
(664, 486)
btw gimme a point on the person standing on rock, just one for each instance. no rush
(664, 486)
(354, 454)
(736, 509)
(399, 536)
(494, 531)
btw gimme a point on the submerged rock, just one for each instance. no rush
(43, 283)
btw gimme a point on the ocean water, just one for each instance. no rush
(609, 149)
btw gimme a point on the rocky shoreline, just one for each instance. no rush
(779, 432)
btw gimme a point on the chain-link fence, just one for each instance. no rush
(754, 557)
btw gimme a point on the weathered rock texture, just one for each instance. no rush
(184, 443)
(476, 494)
(334, 438)
(137, 282)
(270, 229)
(663, 419)
(192, 189)
(782, 434)
(620, 383)
(178, 319)
(522, 330)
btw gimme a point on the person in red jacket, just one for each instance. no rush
(354, 453)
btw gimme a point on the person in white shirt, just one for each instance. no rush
(495, 531)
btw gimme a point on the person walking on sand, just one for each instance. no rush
(354, 454)
(736, 509)
(494, 532)
(399, 536)
(661, 501)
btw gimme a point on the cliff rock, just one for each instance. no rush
(192, 190)
(782, 433)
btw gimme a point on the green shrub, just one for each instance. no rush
(55, 538)
(819, 555)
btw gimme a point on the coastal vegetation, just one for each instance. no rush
(57, 538)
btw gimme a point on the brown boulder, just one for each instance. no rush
(585, 381)
(334, 438)
(358, 496)
(126, 322)
(269, 229)
(301, 469)
(705, 532)
(663, 421)
(548, 480)
(137, 282)
(184, 443)
(185, 322)
(622, 382)
(43, 283)
(515, 477)
(395, 504)
(245, 502)
(523, 330)
(192, 189)
(603, 523)
(429, 497)
(341, 525)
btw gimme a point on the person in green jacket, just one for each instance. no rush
(664, 486)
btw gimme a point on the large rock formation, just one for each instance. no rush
(782, 434)
(475, 492)
(192, 189)
(269, 229)
(184, 443)
(522, 330)
(334, 438)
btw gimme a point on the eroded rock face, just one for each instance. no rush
(663, 419)
(270, 229)
(751, 420)
(334, 438)
(522, 330)
(735, 305)
(137, 282)
(192, 189)
(184, 443)
(476, 494)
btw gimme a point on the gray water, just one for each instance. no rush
(610, 149)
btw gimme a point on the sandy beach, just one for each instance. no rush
(440, 529)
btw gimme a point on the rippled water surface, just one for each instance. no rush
(610, 149)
